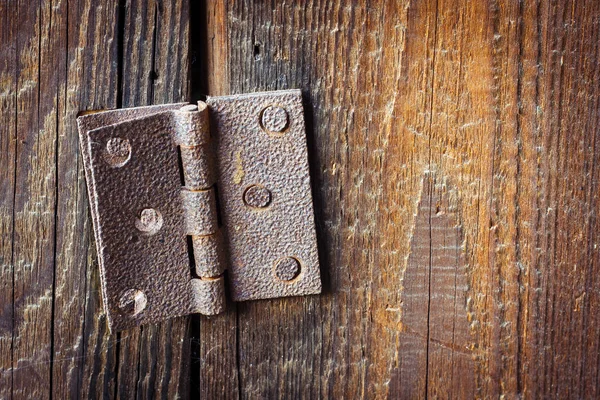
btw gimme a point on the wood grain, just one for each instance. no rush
(84, 353)
(435, 351)
(8, 152)
(61, 58)
(453, 148)
(496, 96)
(34, 203)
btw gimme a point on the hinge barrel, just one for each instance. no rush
(198, 200)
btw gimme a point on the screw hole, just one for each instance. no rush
(257, 196)
(287, 269)
(257, 51)
(149, 221)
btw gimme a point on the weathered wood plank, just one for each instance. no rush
(366, 180)
(496, 96)
(465, 94)
(63, 58)
(8, 149)
(34, 201)
(154, 360)
(83, 352)
(501, 98)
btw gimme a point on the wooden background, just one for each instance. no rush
(453, 149)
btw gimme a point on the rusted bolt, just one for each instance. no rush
(274, 119)
(133, 302)
(287, 269)
(118, 152)
(149, 221)
(257, 196)
(189, 108)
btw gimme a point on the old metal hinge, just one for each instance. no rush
(174, 204)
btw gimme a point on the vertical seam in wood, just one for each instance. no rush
(196, 9)
(117, 359)
(517, 195)
(430, 194)
(55, 230)
(457, 266)
(152, 76)
(120, 50)
(237, 353)
(139, 363)
(14, 202)
(429, 177)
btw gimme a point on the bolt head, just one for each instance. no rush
(275, 119)
(257, 196)
(118, 152)
(149, 221)
(133, 302)
(287, 269)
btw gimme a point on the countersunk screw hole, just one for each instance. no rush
(257, 196)
(149, 221)
(287, 269)
(117, 152)
(274, 119)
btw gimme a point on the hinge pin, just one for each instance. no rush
(189, 108)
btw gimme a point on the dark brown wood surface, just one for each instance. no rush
(455, 177)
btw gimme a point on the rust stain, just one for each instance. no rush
(238, 175)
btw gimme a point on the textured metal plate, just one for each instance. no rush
(132, 166)
(143, 215)
(264, 194)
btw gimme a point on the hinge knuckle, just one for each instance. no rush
(200, 208)
(209, 255)
(191, 125)
(197, 165)
(207, 296)
(199, 212)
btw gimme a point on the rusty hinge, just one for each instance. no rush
(175, 204)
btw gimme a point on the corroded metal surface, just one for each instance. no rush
(139, 215)
(200, 212)
(151, 174)
(264, 194)
(208, 254)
